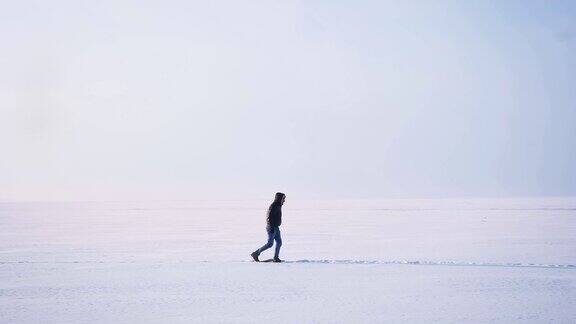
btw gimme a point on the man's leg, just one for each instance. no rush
(278, 239)
(268, 244)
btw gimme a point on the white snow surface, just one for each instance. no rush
(354, 261)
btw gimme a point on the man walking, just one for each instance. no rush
(273, 221)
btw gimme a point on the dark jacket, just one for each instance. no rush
(274, 215)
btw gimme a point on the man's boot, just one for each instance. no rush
(255, 256)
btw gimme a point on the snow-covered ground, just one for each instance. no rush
(438, 260)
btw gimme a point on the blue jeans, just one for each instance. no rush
(273, 235)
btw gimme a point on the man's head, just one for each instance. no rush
(280, 197)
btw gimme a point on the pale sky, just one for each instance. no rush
(112, 100)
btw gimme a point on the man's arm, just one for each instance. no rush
(275, 215)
